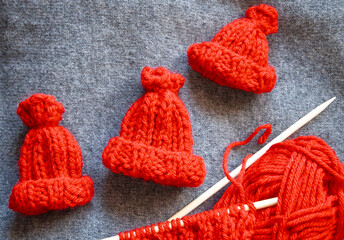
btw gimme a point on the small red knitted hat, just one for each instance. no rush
(155, 140)
(237, 56)
(50, 161)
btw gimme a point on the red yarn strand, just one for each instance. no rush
(261, 140)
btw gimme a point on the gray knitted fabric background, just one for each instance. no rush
(89, 54)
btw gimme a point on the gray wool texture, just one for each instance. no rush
(89, 54)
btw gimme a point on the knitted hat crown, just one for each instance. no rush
(155, 140)
(50, 161)
(237, 56)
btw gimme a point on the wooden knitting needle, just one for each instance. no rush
(258, 205)
(223, 182)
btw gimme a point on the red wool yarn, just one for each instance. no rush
(50, 161)
(308, 179)
(306, 176)
(155, 141)
(237, 56)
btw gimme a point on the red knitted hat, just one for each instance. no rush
(237, 56)
(50, 161)
(155, 141)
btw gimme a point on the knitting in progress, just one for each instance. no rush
(50, 161)
(232, 223)
(306, 176)
(237, 56)
(155, 141)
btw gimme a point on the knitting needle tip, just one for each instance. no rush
(331, 100)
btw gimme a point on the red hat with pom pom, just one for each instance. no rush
(50, 161)
(237, 56)
(155, 140)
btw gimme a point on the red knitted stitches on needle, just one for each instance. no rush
(155, 141)
(308, 179)
(50, 161)
(237, 56)
(219, 224)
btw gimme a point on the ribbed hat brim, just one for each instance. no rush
(134, 159)
(230, 69)
(34, 197)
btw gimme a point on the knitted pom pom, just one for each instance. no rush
(40, 110)
(265, 16)
(161, 79)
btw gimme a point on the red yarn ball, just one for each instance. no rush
(308, 179)
(40, 110)
(161, 79)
